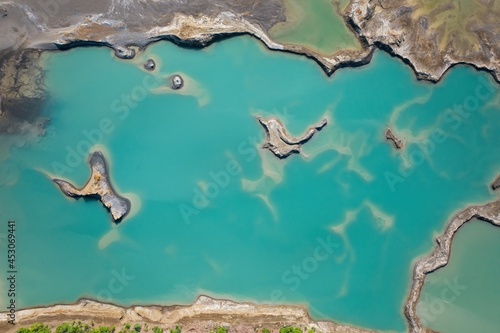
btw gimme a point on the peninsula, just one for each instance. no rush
(440, 256)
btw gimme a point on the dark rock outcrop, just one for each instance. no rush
(496, 184)
(150, 65)
(397, 142)
(177, 82)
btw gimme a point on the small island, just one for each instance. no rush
(98, 187)
(282, 144)
(177, 82)
(397, 142)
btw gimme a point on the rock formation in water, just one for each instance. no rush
(202, 316)
(177, 82)
(282, 144)
(440, 256)
(150, 65)
(98, 187)
(397, 142)
(123, 52)
(496, 184)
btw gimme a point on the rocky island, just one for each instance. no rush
(397, 142)
(176, 82)
(150, 65)
(98, 187)
(282, 144)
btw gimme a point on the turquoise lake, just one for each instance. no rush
(336, 228)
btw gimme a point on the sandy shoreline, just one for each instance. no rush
(204, 314)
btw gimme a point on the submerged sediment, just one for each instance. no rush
(99, 187)
(202, 316)
(282, 144)
(440, 256)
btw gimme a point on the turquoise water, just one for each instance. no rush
(463, 296)
(335, 228)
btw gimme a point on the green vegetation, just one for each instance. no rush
(35, 328)
(79, 327)
(177, 329)
(67, 328)
(291, 330)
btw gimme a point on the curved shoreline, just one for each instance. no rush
(192, 32)
(203, 314)
(440, 255)
(200, 31)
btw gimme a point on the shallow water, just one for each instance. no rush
(317, 25)
(462, 297)
(335, 228)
